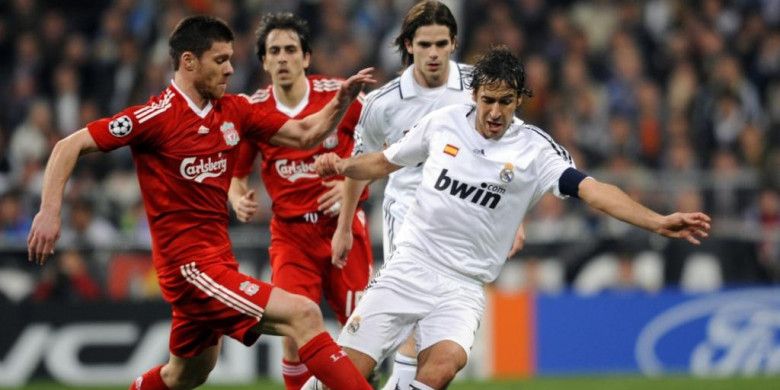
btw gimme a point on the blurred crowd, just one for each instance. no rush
(676, 101)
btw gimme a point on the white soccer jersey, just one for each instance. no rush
(388, 113)
(474, 191)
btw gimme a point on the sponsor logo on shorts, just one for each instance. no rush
(354, 325)
(249, 288)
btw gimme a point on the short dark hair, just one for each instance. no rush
(282, 21)
(424, 13)
(196, 34)
(500, 65)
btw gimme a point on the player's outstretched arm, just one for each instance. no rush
(364, 167)
(313, 129)
(341, 243)
(242, 199)
(45, 229)
(613, 201)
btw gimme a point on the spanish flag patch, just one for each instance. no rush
(452, 150)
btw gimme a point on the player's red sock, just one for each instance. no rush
(151, 380)
(330, 364)
(295, 374)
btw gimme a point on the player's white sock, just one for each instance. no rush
(415, 385)
(404, 370)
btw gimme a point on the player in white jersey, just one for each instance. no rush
(483, 169)
(430, 81)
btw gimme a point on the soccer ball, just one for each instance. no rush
(121, 126)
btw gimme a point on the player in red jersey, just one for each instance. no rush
(305, 207)
(184, 144)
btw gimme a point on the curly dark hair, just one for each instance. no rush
(424, 13)
(282, 21)
(196, 34)
(500, 65)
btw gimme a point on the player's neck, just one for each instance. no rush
(431, 83)
(292, 94)
(188, 88)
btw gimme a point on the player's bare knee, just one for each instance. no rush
(438, 373)
(306, 318)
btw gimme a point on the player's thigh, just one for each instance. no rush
(295, 271)
(380, 323)
(288, 314)
(455, 318)
(345, 286)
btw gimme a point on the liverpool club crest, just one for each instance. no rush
(229, 132)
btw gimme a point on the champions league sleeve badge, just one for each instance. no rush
(507, 173)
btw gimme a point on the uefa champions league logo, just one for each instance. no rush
(121, 126)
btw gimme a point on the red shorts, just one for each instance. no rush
(300, 262)
(210, 299)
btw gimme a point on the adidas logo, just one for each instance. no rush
(203, 130)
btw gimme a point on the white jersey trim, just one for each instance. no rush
(293, 111)
(454, 80)
(194, 107)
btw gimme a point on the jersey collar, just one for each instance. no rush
(293, 111)
(407, 80)
(199, 112)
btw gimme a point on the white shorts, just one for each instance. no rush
(404, 294)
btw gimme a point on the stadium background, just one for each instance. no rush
(676, 101)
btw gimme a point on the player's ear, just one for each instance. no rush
(306, 60)
(187, 60)
(408, 45)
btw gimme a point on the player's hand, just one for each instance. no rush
(518, 243)
(246, 206)
(327, 164)
(351, 88)
(340, 245)
(329, 203)
(688, 226)
(44, 233)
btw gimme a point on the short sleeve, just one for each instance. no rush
(260, 124)
(247, 153)
(413, 148)
(129, 126)
(551, 162)
(369, 132)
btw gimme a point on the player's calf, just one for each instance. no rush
(438, 365)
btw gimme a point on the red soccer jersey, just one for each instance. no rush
(184, 159)
(288, 173)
